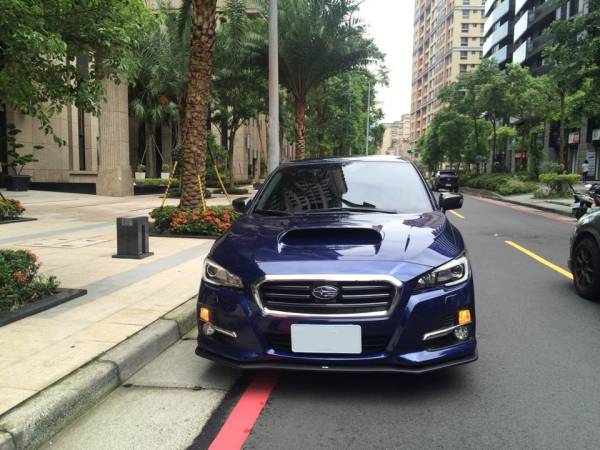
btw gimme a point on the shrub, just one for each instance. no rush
(165, 168)
(214, 222)
(503, 183)
(157, 182)
(234, 191)
(20, 282)
(558, 183)
(551, 167)
(10, 209)
(140, 168)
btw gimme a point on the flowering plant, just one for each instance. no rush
(20, 282)
(214, 222)
(10, 209)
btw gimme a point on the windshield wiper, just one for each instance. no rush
(357, 209)
(271, 212)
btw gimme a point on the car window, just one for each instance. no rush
(448, 172)
(394, 186)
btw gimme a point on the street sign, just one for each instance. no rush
(574, 137)
(591, 159)
(596, 135)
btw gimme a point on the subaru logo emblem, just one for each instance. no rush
(325, 292)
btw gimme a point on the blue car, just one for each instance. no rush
(341, 264)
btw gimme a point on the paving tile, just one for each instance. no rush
(107, 332)
(134, 316)
(10, 397)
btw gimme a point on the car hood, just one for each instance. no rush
(338, 243)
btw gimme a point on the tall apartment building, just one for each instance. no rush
(448, 39)
(514, 29)
(396, 138)
(515, 32)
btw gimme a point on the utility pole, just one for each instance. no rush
(273, 149)
(368, 118)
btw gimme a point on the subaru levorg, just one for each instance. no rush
(340, 265)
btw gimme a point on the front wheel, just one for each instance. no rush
(586, 269)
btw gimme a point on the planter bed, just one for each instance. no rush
(62, 296)
(174, 235)
(20, 219)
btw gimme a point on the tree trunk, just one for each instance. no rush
(230, 151)
(494, 145)
(150, 151)
(476, 132)
(194, 124)
(300, 114)
(562, 151)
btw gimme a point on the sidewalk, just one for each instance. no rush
(560, 206)
(75, 237)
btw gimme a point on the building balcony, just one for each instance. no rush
(521, 26)
(539, 13)
(488, 6)
(520, 54)
(501, 55)
(519, 4)
(495, 38)
(501, 10)
(537, 44)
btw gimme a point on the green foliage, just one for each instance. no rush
(18, 160)
(336, 119)
(559, 183)
(551, 167)
(214, 222)
(165, 168)
(41, 39)
(20, 282)
(157, 182)
(140, 168)
(10, 209)
(503, 183)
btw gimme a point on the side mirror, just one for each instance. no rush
(241, 204)
(450, 201)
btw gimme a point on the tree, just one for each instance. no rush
(42, 41)
(318, 39)
(337, 115)
(194, 125)
(239, 90)
(157, 90)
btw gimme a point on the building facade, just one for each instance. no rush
(396, 138)
(101, 152)
(515, 32)
(448, 40)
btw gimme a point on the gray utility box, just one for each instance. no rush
(133, 238)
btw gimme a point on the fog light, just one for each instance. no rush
(205, 314)
(208, 329)
(461, 333)
(464, 317)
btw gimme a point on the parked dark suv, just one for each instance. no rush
(340, 265)
(445, 179)
(584, 260)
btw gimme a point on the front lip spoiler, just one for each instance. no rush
(335, 368)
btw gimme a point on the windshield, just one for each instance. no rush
(392, 187)
(448, 173)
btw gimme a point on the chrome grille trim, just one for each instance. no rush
(325, 278)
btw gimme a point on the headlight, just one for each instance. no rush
(449, 274)
(215, 274)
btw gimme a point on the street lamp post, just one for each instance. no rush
(368, 119)
(273, 149)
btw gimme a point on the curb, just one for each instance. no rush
(494, 196)
(36, 420)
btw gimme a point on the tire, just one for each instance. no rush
(586, 269)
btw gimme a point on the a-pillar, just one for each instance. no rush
(114, 169)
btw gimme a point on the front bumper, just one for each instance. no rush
(256, 343)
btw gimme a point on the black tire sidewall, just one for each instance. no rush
(593, 291)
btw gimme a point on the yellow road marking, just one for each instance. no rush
(541, 260)
(457, 214)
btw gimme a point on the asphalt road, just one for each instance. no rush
(535, 385)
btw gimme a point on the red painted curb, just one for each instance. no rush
(240, 422)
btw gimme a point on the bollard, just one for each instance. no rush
(132, 238)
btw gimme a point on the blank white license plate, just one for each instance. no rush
(330, 339)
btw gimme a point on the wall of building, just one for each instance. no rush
(447, 41)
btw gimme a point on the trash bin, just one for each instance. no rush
(133, 238)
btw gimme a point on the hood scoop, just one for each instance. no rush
(331, 237)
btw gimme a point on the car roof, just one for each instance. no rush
(331, 160)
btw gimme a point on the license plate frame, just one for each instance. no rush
(326, 339)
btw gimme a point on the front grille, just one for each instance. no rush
(370, 344)
(354, 297)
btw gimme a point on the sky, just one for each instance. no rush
(390, 23)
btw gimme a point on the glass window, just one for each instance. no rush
(394, 185)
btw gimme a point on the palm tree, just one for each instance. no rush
(158, 87)
(318, 39)
(194, 126)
